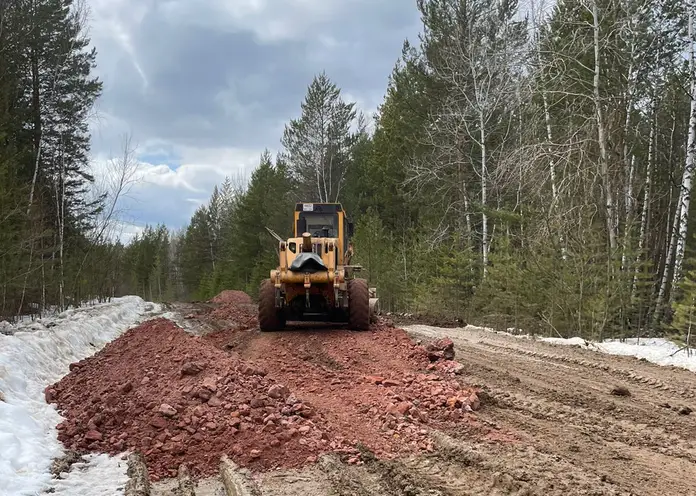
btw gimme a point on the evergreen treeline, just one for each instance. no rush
(51, 215)
(530, 169)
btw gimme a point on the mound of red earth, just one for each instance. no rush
(377, 388)
(265, 399)
(235, 307)
(232, 297)
(176, 398)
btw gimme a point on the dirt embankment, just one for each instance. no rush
(266, 400)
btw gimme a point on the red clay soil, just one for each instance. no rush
(266, 399)
(176, 398)
(235, 308)
(232, 297)
(377, 388)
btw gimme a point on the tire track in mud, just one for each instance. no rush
(511, 469)
(561, 407)
(686, 393)
(576, 390)
(597, 424)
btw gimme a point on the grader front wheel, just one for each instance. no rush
(270, 319)
(359, 304)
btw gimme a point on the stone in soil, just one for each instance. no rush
(440, 349)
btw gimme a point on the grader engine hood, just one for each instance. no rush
(308, 261)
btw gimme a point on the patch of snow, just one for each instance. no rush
(656, 350)
(38, 354)
(569, 341)
(100, 475)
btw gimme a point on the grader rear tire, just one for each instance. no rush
(359, 304)
(270, 318)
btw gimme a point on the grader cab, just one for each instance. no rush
(314, 280)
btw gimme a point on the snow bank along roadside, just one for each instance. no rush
(31, 359)
(656, 350)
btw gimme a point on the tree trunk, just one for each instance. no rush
(484, 217)
(629, 160)
(628, 199)
(602, 138)
(687, 178)
(645, 215)
(36, 110)
(61, 229)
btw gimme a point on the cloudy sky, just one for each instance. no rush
(203, 86)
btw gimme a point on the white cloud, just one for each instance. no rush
(125, 231)
(367, 104)
(204, 85)
(115, 20)
(163, 175)
(167, 193)
(271, 21)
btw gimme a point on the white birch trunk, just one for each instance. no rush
(629, 207)
(552, 168)
(628, 162)
(549, 138)
(602, 138)
(644, 218)
(669, 258)
(629, 186)
(629, 165)
(687, 178)
(671, 237)
(484, 217)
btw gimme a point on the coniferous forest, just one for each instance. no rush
(527, 168)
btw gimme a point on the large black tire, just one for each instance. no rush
(358, 305)
(270, 319)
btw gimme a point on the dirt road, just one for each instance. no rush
(574, 433)
(368, 413)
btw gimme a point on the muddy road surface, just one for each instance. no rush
(325, 411)
(581, 415)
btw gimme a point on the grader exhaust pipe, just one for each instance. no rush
(306, 242)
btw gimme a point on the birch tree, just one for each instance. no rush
(475, 50)
(688, 176)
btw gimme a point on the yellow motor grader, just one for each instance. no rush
(314, 280)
